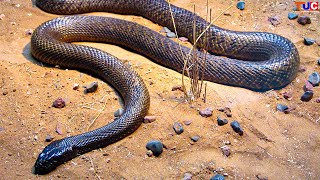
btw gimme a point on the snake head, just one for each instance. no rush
(53, 155)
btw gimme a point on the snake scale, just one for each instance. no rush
(253, 60)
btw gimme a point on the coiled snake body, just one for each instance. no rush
(256, 60)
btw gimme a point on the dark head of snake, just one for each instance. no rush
(253, 60)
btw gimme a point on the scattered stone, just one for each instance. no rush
(195, 138)
(58, 129)
(206, 112)
(178, 87)
(308, 41)
(308, 86)
(49, 138)
(314, 79)
(290, 109)
(59, 103)
(165, 30)
(118, 113)
(292, 15)
(259, 177)
(302, 69)
(226, 150)
(217, 177)
(29, 32)
(76, 86)
(226, 110)
(155, 146)
(91, 88)
(149, 153)
(187, 123)
(221, 121)
(178, 128)
(183, 39)
(303, 20)
(5, 92)
(227, 13)
(318, 100)
(241, 5)
(149, 119)
(171, 35)
(281, 107)
(288, 95)
(236, 127)
(307, 96)
(274, 20)
(2, 16)
(187, 176)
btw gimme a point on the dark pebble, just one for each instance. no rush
(149, 119)
(217, 177)
(308, 86)
(287, 95)
(302, 69)
(59, 103)
(178, 128)
(236, 127)
(281, 107)
(178, 87)
(155, 146)
(292, 15)
(241, 5)
(195, 138)
(274, 20)
(49, 138)
(226, 110)
(171, 35)
(290, 109)
(308, 41)
(91, 88)
(5, 93)
(303, 20)
(226, 150)
(187, 123)
(221, 121)
(319, 62)
(307, 96)
(318, 100)
(314, 79)
(206, 112)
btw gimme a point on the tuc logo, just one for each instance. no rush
(307, 6)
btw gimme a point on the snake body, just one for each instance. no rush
(253, 60)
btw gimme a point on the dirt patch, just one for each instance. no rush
(274, 144)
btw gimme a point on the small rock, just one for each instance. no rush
(318, 100)
(318, 43)
(91, 88)
(195, 138)
(281, 107)
(221, 121)
(187, 176)
(118, 112)
(183, 39)
(292, 15)
(149, 153)
(187, 123)
(217, 177)
(76, 86)
(29, 32)
(287, 95)
(226, 150)
(178, 87)
(241, 5)
(290, 109)
(274, 20)
(259, 177)
(308, 41)
(5, 92)
(2, 16)
(58, 129)
(314, 79)
(171, 35)
(59, 103)
(236, 127)
(307, 96)
(227, 13)
(49, 138)
(302, 69)
(303, 20)
(206, 112)
(226, 110)
(308, 86)
(165, 30)
(149, 119)
(155, 146)
(178, 128)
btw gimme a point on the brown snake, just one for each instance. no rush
(255, 60)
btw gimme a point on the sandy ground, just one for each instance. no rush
(274, 145)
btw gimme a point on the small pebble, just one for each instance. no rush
(178, 128)
(155, 146)
(206, 112)
(308, 86)
(226, 150)
(303, 20)
(165, 30)
(29, 32)
(195, 138)
(178, 87)
(2, 16)
(5, 93)
(274, 20)
(183, 39)
(49, 138)
(314, 79)
(290, 109)
(171, 35)
(91, 88)
(318, 100)
(287, 95)
(281, 107)
(187, 123)
(59, 103)
(217, 177)
(149, 153)
(241, 5)
(58, 129)
(118, 112)
(292, 15)
(226, 110)
(149, 119)
(308, 41)
(187, 176)
(307, 96)
(221, 121)
(227, 13)
(236, 127)
(302, 69)
(76, 86)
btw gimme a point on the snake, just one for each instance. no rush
(254, 60)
